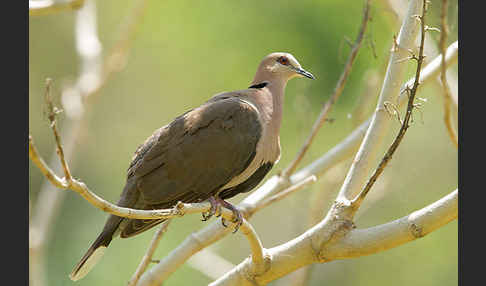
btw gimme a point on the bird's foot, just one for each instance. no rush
(215, 209)
(216, 204)
(237, 216)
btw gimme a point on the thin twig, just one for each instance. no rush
(447, 92)
(52, 114)
(337, 92)
(398, 139)
(46, 7)
(147, 258)
(283, 194)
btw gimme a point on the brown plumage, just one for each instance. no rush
(220, 149)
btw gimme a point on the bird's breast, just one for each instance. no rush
(267, 151)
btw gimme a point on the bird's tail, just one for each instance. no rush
(97, 249)
(92, 256)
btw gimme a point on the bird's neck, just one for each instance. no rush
(277, 89)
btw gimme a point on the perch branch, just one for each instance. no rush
(337, 92)
(69, 182)
(179, 210)
(213, 232)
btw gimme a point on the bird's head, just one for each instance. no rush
(283, 65)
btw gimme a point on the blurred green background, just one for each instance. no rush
(184, 52)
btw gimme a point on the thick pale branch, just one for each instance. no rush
(405, 124)
(301, 251)
(46, 7)
(219, 265)
(380, 123)
(334, 97)
(360, 242)
(258, 257)
(397, 6)
(214, 231)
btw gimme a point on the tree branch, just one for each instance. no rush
(405, 124)
(360, 242)
(345, 242)
(180, 209)
(219, 265)
(283, 194)
(147, 258)
(337, 92)
(46, 7)
(380, 123)
(49, 199)
(93, 75)
(213, 232)
(431, 49)
(447, 91)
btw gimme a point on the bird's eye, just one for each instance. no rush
(283, 60)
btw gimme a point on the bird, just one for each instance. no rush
(213, 152)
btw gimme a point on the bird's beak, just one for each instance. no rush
(303, 72)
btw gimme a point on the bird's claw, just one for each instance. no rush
(237, 217)
(214, 210)
(216, 204)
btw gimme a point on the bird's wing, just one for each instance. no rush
(200, 151)
(191, 158)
